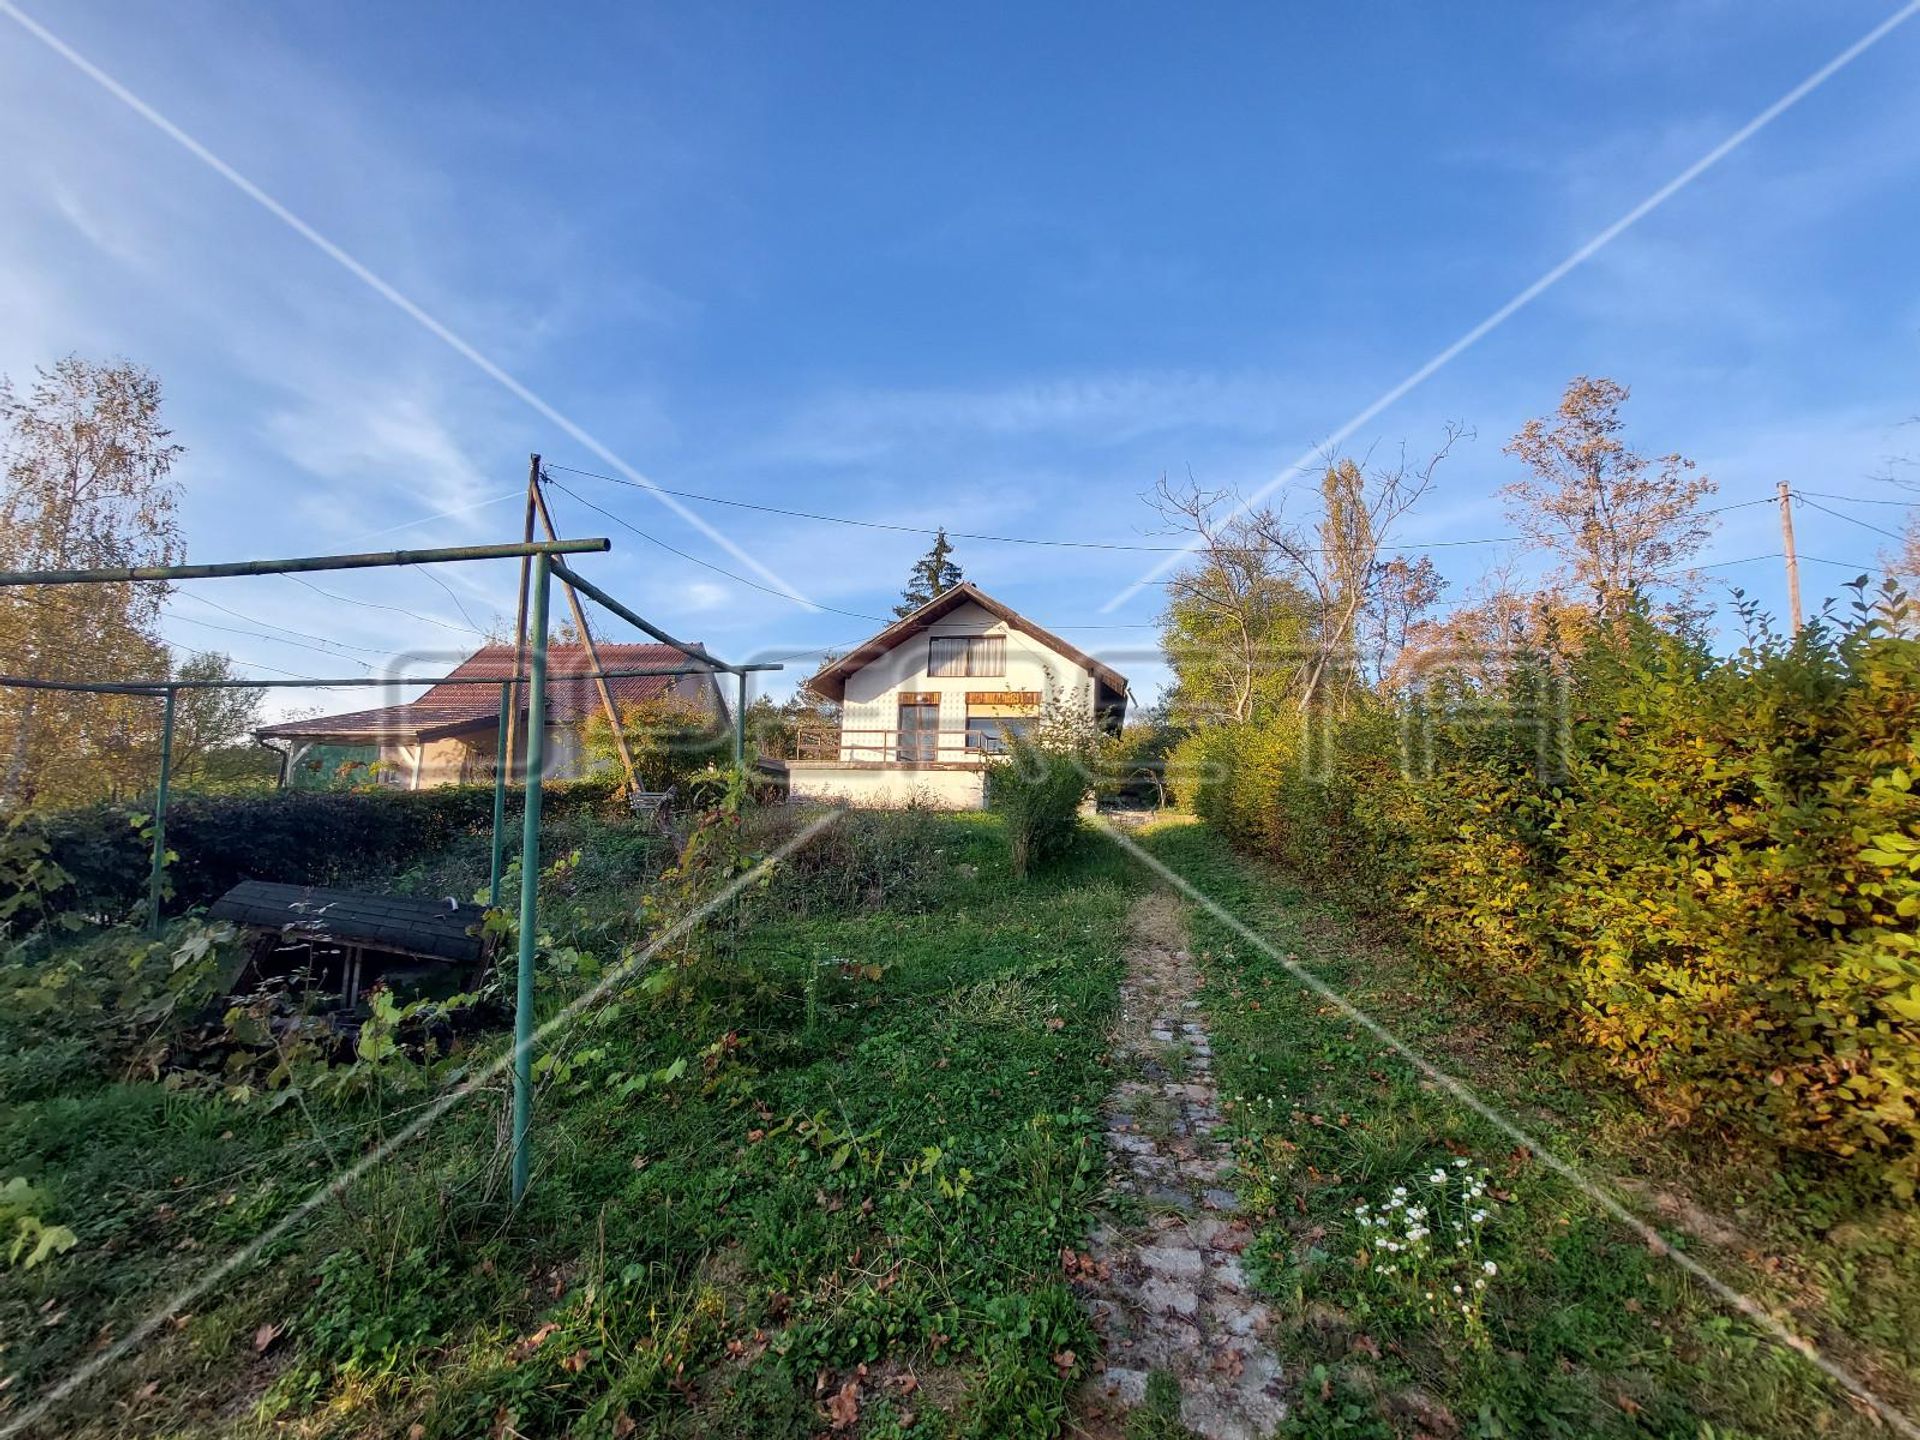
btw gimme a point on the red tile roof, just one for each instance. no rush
(450, 709)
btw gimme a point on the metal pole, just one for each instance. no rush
(520, 605)
(595, 593)
(157, 875)
(740, 722)
(530, 876)
(160, 687)
(120, 574)
(500, 795)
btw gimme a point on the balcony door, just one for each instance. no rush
(919, 728)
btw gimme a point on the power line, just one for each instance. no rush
(1119, 545)
(1857, 499)
(380, 605)
(1851, 520)
(424, 570)
(261, 635)
(718, 570)
(268, 624)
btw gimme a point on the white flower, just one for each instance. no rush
(1438, 1177)
(1478, 1217)
(1456, 1290)
(1479, 1284)
(1399, 1190)
(1461, 1163)
(1490, 1267)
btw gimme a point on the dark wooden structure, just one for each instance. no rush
(343, 942)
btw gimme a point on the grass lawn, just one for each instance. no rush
(1565, 1322)
(822, 1183)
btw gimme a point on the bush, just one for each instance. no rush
(1714, 888)
(292, 836)
(1038, 789)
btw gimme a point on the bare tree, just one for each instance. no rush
(1269, 611)
(1235, 622)
(1339, 555)
(1620, 523)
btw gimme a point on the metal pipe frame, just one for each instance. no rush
(544, 566)
(160, 687)
(530, 876)
(156, 877)
(593, 592)
(372, 560)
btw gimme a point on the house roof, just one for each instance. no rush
(452, 709)
(831, 681)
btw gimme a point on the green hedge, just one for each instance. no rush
(1718, 892)
(297, 837)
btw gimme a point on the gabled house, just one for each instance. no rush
(929, 700)
(449, 735)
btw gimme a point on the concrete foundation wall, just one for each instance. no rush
(888, 787)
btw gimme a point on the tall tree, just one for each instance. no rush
(933, 574)
(1273, 612)
(1620, 523)
(87, 465)
(1237, 622)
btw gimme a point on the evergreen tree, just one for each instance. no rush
(933, 574)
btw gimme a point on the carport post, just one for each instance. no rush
(740, 721)
(530, 873)
(157, 875)
(500, 760)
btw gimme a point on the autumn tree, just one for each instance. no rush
(1274, 612)
(933, 574)
(1618, 523)
(1236, 622)
(87, 464)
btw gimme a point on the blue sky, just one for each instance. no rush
(994, 267)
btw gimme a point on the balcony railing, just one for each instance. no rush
(947, 746)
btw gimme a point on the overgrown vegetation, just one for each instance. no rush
(1036, 787)
(94, 861)
(1566, 1322)
(811, 1169)
(1703, 870)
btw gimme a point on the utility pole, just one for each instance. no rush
(586, 639)
(520, 610)
(1792, 556)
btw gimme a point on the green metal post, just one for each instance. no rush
(740, 722)
(500, 762)
(530, 874)
(157, 876)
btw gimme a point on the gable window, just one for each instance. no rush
(965, 655)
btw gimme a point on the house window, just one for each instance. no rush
(919, 740)
(964, 655)
(994, 716)
(988, 734)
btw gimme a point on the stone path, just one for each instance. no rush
(1165, 1285)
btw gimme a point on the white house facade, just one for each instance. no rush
(929, 700)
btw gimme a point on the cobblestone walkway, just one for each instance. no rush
(1163, 1275)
